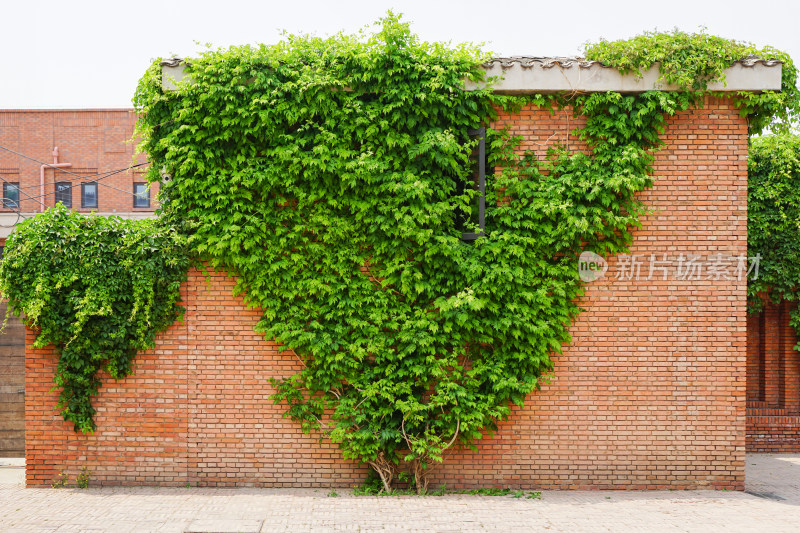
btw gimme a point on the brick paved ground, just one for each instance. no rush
(771, 504)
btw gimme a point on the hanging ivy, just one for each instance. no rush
(98, 289)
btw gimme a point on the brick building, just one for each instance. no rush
(76, 157)
(651, 393)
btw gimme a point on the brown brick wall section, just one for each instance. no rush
(93, 141)
(12, 386)
(650, 394)
(143, 421)
(755, 360)
(772, 433)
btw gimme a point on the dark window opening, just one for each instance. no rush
(477, 214)
(89, 195)
(64, 193)
(141, 195)
(11, 195)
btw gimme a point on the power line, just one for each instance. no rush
(18, 211)
(102, 175)
(45, 164)
(77, 176)
(109, 174)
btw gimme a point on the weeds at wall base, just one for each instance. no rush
(366, 490)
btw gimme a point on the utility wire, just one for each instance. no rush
(109, 174)
(47, 164)
(26, 194)
(82, 177)
(77, 176)
(18, 209)
(102, 175)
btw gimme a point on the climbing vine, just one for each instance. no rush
(98, 289)
(773, 221)
(333, 177)
(325, 174)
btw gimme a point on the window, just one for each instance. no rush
(11, 195)
(64, 193)
(141, 195)
(89, 195)
(477, 216)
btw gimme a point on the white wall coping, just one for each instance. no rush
(529, 75)
(549, 75)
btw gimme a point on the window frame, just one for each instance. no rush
(69, 185)
(6, 199)
(480, 133)
(145, 195)
(96, 195)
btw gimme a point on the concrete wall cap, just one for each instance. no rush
(532, 74)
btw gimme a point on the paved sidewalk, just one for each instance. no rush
(770, 504)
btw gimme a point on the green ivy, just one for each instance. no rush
(773, 221)
(98, 289)
(693, 60)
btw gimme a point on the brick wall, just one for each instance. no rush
(93, 141)
(650, 394)
(773, 381)
(196, 411)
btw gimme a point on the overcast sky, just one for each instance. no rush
(90, 54)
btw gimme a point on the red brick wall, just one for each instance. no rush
(93, 141)
(650, 394)
(769, 430)
(773, 378)
(197, 410)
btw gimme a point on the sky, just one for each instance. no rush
(91, 54)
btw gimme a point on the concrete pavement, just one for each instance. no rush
(771, 504)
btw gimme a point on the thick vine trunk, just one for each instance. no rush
(386, 470)
(420, 476)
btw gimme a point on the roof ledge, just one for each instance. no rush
(525, 75)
